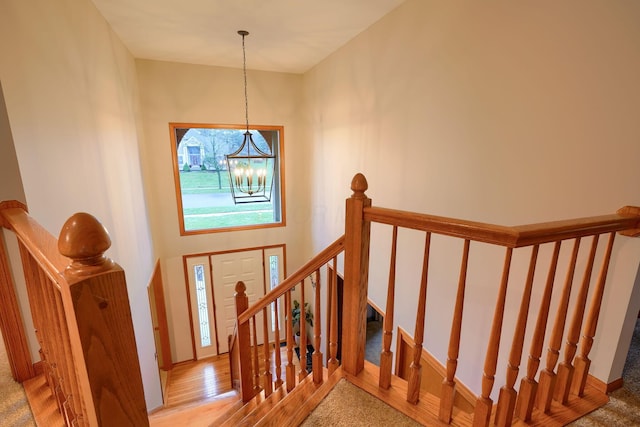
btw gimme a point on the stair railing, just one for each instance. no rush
(253, 356)
(81, 313)
(555, 382)
(571, 374)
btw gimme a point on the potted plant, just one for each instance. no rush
(295, 318)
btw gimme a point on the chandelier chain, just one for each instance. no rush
(244, 68)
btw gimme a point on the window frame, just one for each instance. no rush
(178, 187)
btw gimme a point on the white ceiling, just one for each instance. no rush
(285, 35)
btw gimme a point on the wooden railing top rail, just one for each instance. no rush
(39, 242)
(302, 273)
(627, 218)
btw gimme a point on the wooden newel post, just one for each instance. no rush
(98, 315)
(244, 344)
(356, 273)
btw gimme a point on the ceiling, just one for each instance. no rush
(285, 35)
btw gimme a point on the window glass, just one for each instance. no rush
(203, 310)
(214, 194)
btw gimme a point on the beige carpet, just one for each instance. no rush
(14, 408)
(355, 408)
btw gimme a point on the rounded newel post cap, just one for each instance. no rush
(240, 288)
(85, 240)
(359, 185)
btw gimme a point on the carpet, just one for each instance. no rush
(347, 405)
(14, 408)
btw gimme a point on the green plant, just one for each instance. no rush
(186, 167)
(295, 313)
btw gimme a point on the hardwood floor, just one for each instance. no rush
(198, 392)
(199, 380)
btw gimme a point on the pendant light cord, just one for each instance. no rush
(244, 68)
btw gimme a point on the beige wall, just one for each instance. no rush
(11, 189)
(502, 112)
(172, 92)
(497, 112)
(71, 96)
(9, 170)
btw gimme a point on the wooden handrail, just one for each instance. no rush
(38, 241)
(287, 284)
(512, 237)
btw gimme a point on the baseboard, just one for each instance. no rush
(465, 398)
(603, 387)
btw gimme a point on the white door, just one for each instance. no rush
(201, 306)
(229, 269)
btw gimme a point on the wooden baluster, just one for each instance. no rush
(547, 375)
(55, 330)
(267, 381)
(38, 306)
(59, 395)
(528, 385)
(256, 360)
(69, 381)
(291, 369)
(12, 326)
(484, 403)
(35, 294)
(244, 344)
(356, 278)
(386, 355)
(333, 314)
(415, 369)
(448, 383)
(565, 369)
(50, 332)
(507, 398)
(582, 362)
(317, 354)
(303, 336)
(278, 355)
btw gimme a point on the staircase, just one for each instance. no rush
(554, 387)
(81, 311)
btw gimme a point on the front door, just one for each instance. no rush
(229, 269)
(212, 288)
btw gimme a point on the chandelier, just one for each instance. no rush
(250, 168)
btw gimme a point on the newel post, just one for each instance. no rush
(356, 273)
(96, 305)
(244, 344)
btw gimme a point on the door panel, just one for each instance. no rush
(229, 269)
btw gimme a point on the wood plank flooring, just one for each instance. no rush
(198, 380)
(199, 391)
